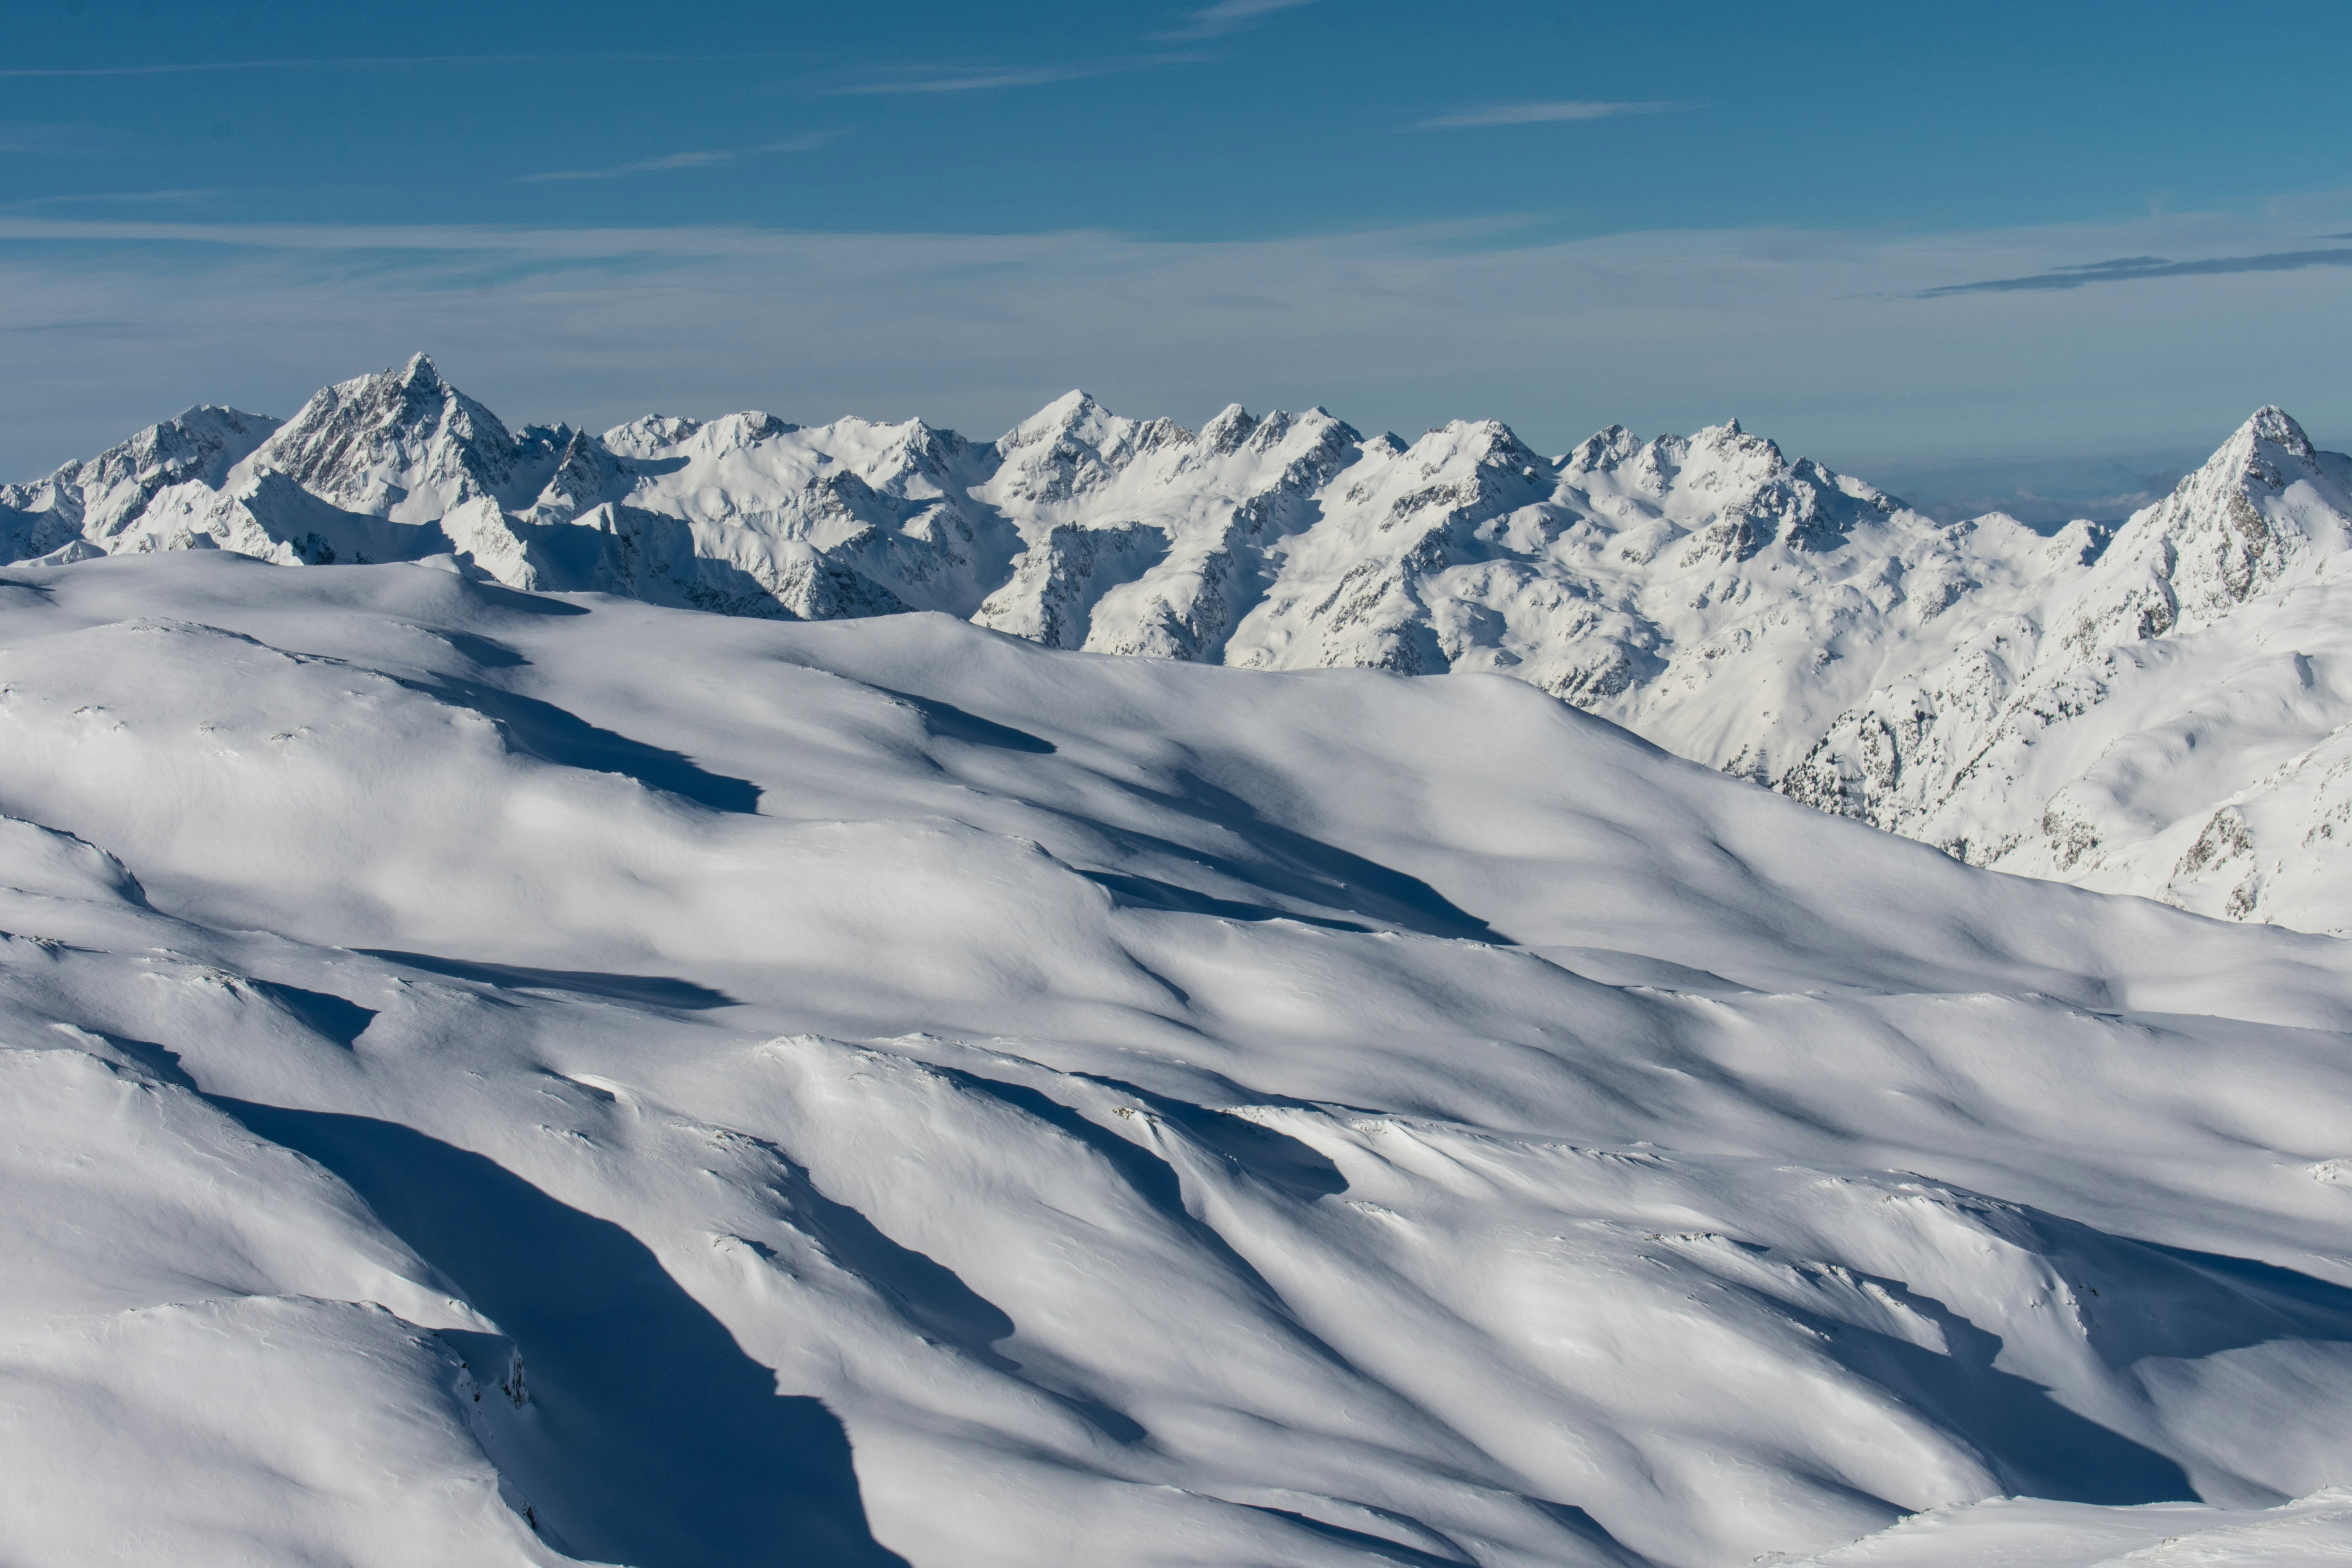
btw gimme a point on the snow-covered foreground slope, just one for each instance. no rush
(2155, 711)
(501, 1077)
(2306, 1534)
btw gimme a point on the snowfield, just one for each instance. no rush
(2158, 709)
(497, 1076)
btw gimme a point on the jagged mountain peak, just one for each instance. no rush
(1602, 451)
(415, 392)
(2253, 452)
(1234, 429)
(647, 432)
(401, 443)
(99, 498)
(2164, 716)
(1722, 600)
(1231, 427)
(1489, 443)
(1078, 416)
(736, 431)
(2266, 509)
(1717, 461)
(1727, 445)
(199, 442)
(917, 447)
(1723, 459)
(2275, 425)
(1318, 424)
(1075, 446)
(1076, 411)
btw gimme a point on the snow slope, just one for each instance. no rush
(2065, 1535)
(500, 1077)
(2154, 709)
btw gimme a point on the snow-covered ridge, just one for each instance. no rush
(2170, 716)
(489, 1078)
(1962, 683)
(1283, 542)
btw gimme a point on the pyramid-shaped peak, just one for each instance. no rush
(416, 396)
(1731, 438)
(2275, 425)
(1603, 449)
(1232, 426)
(1730, 432)
(1500, 441)
(413, 390)
(1067, 409)
(1076, 411)
(402, 443)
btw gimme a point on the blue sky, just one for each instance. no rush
(1557, 215)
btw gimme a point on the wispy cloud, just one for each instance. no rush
(1541, 113)
(18, 136)
(928, 79)
(2042, 490)
(1228, 16)
(1811, 336)
(2132, 268)
(193, 68)
(670, 162)
(638, 167)
(122, 198)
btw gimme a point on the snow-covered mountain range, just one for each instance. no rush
(491, 1078)
(2155, 709)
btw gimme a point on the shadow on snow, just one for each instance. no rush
(644, 990)
(649, 1437)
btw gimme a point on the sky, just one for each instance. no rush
(2037, 256)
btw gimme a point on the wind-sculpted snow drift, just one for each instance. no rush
(497, 1078)
(2158, 709)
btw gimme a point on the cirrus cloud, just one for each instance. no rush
(931, 79)
(2134, 268)
(1817, 337)
(1228, 16)
(1541, 113)
(669, 163)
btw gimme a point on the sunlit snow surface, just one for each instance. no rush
(497, 1078)
(2160, 708)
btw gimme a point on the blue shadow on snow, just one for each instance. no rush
(556, 735)
(644, 990)
(649, 1437)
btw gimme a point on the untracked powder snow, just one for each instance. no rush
(502, 1065)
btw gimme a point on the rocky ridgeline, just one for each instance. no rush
(2151, 711)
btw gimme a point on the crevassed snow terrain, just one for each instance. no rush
(2027, 702)
(497, 1076)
